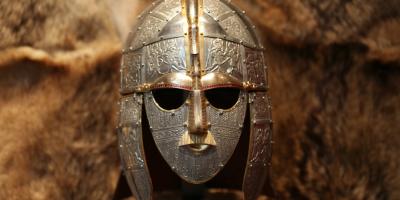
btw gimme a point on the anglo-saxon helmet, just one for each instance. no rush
(196, 67)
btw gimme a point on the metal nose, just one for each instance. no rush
(197, 114)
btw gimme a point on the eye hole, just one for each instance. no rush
(170, 99)
(223, 98)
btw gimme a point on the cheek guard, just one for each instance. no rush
(195, 66)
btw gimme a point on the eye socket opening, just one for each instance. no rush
(223, 98)
(170, 98)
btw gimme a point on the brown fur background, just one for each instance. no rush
(335, 85)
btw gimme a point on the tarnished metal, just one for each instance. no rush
(131, 146)
(194, 46)
(259, 155)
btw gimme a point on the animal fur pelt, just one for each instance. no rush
(335, 85)
(334, 69)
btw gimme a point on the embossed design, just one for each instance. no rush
(130, 109)
(235, 28)
(259, 154)
(168, 9)
(168, 128)
(164, 119)
(230, 21)
(228, 118)
(215, 8)
(223, 56)
(230, 57)
(254, 63)
(147, 31)
(130, 70)
(226, 127)
(132, 158)
(165, 57)
(262, 112)
(131, 146)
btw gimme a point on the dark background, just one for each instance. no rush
(334, 78)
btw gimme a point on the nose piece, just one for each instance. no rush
(197, 119)
(197, 130)
(197, 138)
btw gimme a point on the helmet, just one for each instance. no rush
(196, 67)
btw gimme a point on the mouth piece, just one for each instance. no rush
(197, 144)
(198, 147)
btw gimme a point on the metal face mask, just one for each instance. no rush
(196, 66)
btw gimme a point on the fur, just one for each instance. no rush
(334, 74)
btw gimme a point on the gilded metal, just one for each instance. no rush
(194, 45)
